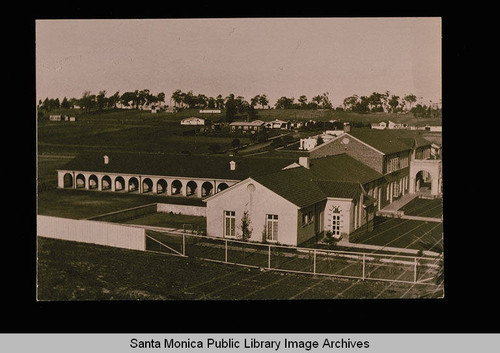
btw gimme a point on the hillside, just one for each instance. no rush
(121, 115)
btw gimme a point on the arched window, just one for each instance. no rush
(80, 181)
(68, 180)
(191, 187)
(106, 182)
(176, 187)
(133, 184)
(93, 182)
(206, 189)
(161, 186)
(221, 187)
(147, 185)
(119, 184)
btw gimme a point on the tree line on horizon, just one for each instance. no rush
(234, 105)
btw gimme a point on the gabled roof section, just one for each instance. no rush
(342, 167)
(340, 189)
(389, 141)
(295, 185)
(196, 166)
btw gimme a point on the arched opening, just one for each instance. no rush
(80, 181)
(119, 184)
(133, 184)
(106, 183)
(191, 187)
(93, 182)
(68, 180)
(176, 187)
(423, 182)
(221, 187)
(161, 186)
(206, 189)
(147, 185)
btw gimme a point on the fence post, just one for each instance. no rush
(225, 251)
(314, 262)
(363, 275)
(269, 257)
(183, 244)
(415, 273)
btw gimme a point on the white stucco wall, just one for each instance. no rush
(258, 203)
(346, 212)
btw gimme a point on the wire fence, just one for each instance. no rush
(344, 264)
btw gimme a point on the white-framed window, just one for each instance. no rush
(396, 189)
(272, 227)
(336, 218)
(230, 224)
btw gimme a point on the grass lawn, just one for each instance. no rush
(424, 208)
(78, 204)
(69, 271)
(403, 233)
(167, 220)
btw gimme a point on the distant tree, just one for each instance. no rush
(375, 102)
(128, 98)
(255, 100)
(303, 101)
(263, 101)
(350, 103)
(114, 100)
(284, 103)
(325, 101)
(235, 143)
(177, 97)
(65, 103)
(160, 97)
(246, 230)
(231, 108)
(394, 103)
(101, 101)
(219, 102)
(410, 98)
(87, 101)
(317, 99)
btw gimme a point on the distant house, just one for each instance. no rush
(297, 124)
(55, 118)
(193, 121)
(433, 128)
(210, 111)
(247, 126)
(278, 124)
(379, 126)
(311, 142)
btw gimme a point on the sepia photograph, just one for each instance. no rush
(236, 159)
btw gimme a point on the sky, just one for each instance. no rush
(245, 56)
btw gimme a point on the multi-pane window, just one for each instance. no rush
(393, 164)
(272, 227)
(403, 162)
(336, 224)
(396, 189)
(229, 224)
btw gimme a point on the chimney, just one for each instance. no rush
(232, 165)
(347, 127)
(304, 161)
(106, 160)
